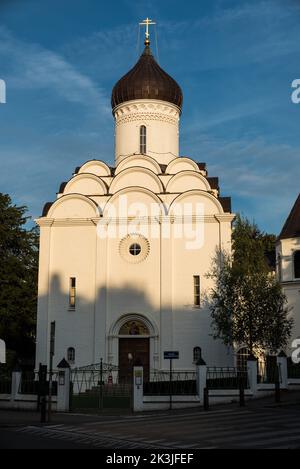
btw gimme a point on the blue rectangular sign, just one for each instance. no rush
(171, 355)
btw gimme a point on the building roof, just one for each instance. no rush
(291, 228)
(146, 80)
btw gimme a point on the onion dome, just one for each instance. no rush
(146, 80)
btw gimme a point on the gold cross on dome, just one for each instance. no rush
(147, 23)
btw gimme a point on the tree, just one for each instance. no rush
(248, 305)
(18, 278)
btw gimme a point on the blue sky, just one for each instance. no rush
(235, 61)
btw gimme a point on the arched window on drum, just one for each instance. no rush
(143, 139)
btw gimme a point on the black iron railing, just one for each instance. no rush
(29, 383)
(5, 381)
(293, 370)
(268, 372)
(226, 378)
(182, 383)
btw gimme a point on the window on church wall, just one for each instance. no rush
(196, 354)
(297, 264)
(197, 290)
(241, 358)
(134, 328)
(71, 355)
(279, 267)
(72, 293)
(143, 135)
(135, 249)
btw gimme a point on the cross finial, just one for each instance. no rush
(146, 23)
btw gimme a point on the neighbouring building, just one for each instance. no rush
(288, 266)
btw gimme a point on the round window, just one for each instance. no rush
(135, 249)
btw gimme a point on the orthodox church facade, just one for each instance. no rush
(124, 250)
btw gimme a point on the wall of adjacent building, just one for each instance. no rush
(285, 269)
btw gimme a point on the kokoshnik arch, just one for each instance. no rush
(133, 295)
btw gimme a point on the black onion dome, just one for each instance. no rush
(146, 80)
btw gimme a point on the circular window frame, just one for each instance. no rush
(128, 241)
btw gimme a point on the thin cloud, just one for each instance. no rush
(34, 67)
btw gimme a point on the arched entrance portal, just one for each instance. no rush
(133, 349)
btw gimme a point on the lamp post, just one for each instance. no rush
(101, 383)
(52, 346)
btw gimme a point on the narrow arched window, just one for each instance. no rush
(241, 359)
(297, 264)
(143, 137)
(196, 354)
(71, 355)
(279, 268)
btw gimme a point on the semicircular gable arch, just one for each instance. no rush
(149, 323)
(133, 197)
(187, 180)
(129, 177)
(144, 161)
(74, 206)
(86, 184)
(182, 164)
(211, 204)
(96, 167)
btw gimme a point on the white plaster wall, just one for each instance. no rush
(291, 286)
(162, 122)
(286, 248)
(72, 254)
(191, 324)
(293, 294)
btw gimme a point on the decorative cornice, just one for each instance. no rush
(146, 105)
(44, 221)
(66, 221)
(138, 220)
(133, 117)
(225, 217)
(146, 110)
(163, 219)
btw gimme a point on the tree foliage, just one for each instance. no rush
(18, 278)
(248, 306)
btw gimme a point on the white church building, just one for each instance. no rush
(124, 250)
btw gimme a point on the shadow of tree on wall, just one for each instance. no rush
(88, 327)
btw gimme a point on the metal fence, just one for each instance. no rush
(90, 377)
(226, 378)
(268, 372)
(29, 383)
(5, 380)
(182, 383)
(97, 387)
(293, 370)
